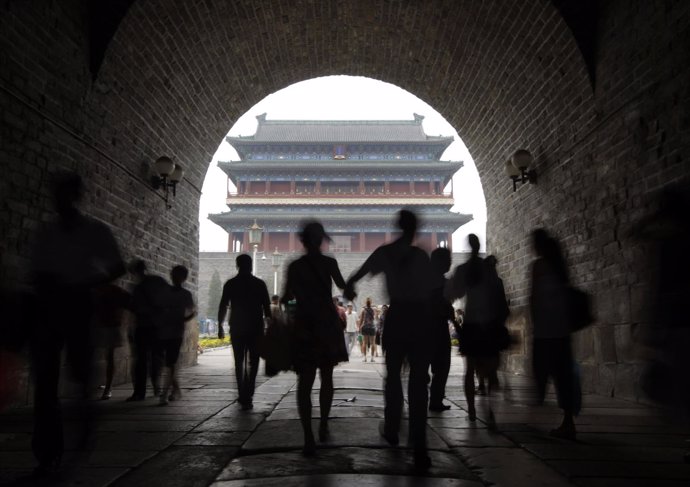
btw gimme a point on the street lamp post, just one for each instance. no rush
(254, 240)
(276, 260)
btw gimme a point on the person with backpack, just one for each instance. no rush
(367, 328)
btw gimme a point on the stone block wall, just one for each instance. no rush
(506, 75)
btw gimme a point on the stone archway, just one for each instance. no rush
(506, 75)
(497, 73)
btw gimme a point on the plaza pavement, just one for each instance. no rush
(205, 439)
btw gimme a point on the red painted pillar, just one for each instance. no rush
(434, 240)
(361, 242)
(291, 242)
(292, 187)
(266, 246)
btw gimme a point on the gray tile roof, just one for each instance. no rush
(346, 131)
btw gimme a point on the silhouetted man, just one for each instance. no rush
(406, 335)
(249, 303)
(442, 312)
(147, 306)
(73, 255)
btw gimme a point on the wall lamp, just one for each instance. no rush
(518, 168)
(168, 175)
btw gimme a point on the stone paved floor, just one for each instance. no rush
(204, 439)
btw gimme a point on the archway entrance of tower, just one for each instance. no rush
(230, 188)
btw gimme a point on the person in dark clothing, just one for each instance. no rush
(406, 336)
(319, 340)
(440, 334)
(179, 308)
(147, 307)
(483, 333)
(552, 349)
(249, 304)
(73, 255)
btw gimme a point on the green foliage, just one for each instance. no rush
(215, 292)
(214, 342)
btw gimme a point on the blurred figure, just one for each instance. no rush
(667, 340)
(179, 308)
(276, 310)
(73, 255)
(319, 340)
(552, 351)
(341, 312)
(407, 331)
(111, 304)
(247, 296)
(350, 327)
(440, 334)
(367, 328)
(147, 305)
(483, 333)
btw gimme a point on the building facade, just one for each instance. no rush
(353, 176)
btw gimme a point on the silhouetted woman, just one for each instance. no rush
(485, 314)
(552, 354)
(319, 340)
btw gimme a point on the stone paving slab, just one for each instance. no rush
(287, 435)
(633, 470)
(179, 466)
(342, 460)
(477, 437)
(209, 438)
(336, 412)
(511, 467)
(560, 451)
(348, 480)
(231, 421)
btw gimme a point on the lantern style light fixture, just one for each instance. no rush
(168, 176)
(518, 168)
(254, 240)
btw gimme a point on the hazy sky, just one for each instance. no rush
(344, 98)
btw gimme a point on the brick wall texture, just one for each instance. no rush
(506, 75)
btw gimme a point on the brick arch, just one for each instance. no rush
(488, 69)
(506, 75)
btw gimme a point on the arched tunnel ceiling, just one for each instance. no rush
(505, 74)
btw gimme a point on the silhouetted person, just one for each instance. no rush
(73, 255)
(442, 312)
(178, 309)
(147, 306)
(667, 339)
(406, 336)
(319, 341)
(249, 304)
(486, 310)
(552, 351)
(111, 304)
(367, 328)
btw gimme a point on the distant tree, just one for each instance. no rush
(215, 291)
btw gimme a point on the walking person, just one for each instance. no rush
(179, 308)
(249, 303)
(367, 328)
(111, 305)
(406, 334)
(73, 255)
(442, 312)
(483, 331)
(147, 297)
(552, 350)
(319, 342)
(350, 327)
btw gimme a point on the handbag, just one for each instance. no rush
(276, 347)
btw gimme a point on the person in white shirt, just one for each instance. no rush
(350, 327)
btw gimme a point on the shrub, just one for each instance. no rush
(214, 342)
